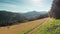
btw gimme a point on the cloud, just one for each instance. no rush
(8, 5)
(25, 5)
(17, 2)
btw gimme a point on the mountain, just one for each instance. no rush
(34, 14)
(9, 18)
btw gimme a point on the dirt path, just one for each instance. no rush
(38, 27)
(17, 29)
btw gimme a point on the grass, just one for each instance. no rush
(26, 30)
(22, 28)
(52, 27)
(29, 29)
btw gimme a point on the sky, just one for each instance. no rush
(24, 6)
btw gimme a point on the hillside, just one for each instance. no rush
(35, 15)
(51, 27)
(9, 18)
(22, 28)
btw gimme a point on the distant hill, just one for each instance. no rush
(35, 15)
(9, 18)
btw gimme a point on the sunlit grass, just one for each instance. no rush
(29, 29)
(52, 27)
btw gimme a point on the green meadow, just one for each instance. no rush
(52, 27)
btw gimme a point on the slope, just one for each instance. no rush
(52, 27)
(21, 28)
(9, 18)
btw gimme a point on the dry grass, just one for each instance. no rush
(19, 28)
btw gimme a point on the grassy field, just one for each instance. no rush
(52, 27)
(22, 28)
